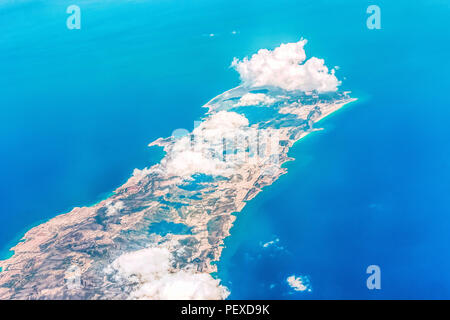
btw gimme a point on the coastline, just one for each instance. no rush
(249, 212)
(243, 191)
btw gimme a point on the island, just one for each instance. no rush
(160, 234)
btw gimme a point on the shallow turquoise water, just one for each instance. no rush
(79, 107)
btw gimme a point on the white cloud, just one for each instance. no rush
(137, 173)
(203, 155)
(219, 146)
(143, 263)
(189, 162)
(113, 209)
(299, 283)
(151, 270)
(221, 124)
(254, 99)
(271, 243)
(283, 68)
(182, 285)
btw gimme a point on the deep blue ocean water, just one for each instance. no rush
(78, 108)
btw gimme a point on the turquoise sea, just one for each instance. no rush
(78, 108)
